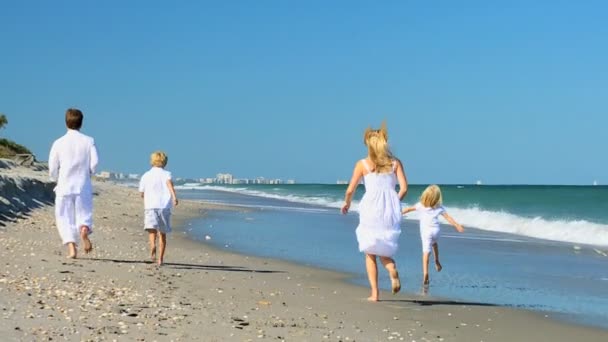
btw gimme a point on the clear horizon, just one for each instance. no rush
(508, 93)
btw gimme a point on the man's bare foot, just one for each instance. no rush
(438, 266)
(84, 235)
(71, 251)
(395, 282)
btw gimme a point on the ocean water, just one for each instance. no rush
(537, 247)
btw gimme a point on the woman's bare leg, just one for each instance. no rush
(372, 275)
(389, 264)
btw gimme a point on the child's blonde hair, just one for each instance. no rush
(159, 159)
(431, 196)
(376, 141)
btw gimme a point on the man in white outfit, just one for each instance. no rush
(72, 161)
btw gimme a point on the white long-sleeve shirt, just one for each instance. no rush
(72, 161)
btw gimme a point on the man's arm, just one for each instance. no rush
(94, 158)
(54, 163)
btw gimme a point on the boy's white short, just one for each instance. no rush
(428, 238)
(158, 219)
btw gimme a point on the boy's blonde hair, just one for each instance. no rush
(159, 159)
(376, 141)
(431, 196)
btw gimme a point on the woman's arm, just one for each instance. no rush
(456, 225)
(352, 186)
(402, 180)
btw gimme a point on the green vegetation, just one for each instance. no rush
(9, 148)
(3, 121)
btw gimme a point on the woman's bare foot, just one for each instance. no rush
(160, 263)
(425, 280)
(438, 266)
(372, 298)
(153, 254)
(395, 282)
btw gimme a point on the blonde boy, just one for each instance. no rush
(157, 190)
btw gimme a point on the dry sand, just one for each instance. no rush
(206, 294)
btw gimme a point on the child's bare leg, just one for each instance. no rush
(372, 275)
(162, 243)
(71, 250)
(84, 235)
(152, 243)
(425, 268)
(436, 255)
(390, 266)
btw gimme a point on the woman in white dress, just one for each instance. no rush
(380, 208)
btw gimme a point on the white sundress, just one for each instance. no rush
(379, 214)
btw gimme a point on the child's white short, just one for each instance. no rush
(159, 219)
(428, 238)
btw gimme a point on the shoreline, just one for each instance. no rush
(208, 294)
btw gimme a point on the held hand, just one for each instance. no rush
(460, 228)
(175, 202)
(345, 208)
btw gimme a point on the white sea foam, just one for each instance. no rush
(571, 231)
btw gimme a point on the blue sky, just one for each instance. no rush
(506, 92)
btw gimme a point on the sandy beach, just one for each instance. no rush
(206, 294)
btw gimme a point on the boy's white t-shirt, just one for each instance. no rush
(156, 191)
(429, 217)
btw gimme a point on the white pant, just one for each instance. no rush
(71, 213)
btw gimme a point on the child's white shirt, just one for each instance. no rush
(156, 191)
(429, 217)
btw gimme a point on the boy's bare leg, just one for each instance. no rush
(71, 250)
(162, 244)
(436, 255)
(372, 275)
(390, 266)
(425, 268)
(84, 235)
(152, 243)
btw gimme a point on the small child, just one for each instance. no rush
(429, 209)
(158, 193)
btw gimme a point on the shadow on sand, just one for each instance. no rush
(183, 266)
(23, 196)
(431, 302)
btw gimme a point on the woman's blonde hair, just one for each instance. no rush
(159, 159)
(376, 141)
(431, 196)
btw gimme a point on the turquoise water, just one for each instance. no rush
(540, 248)
(574, 214)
